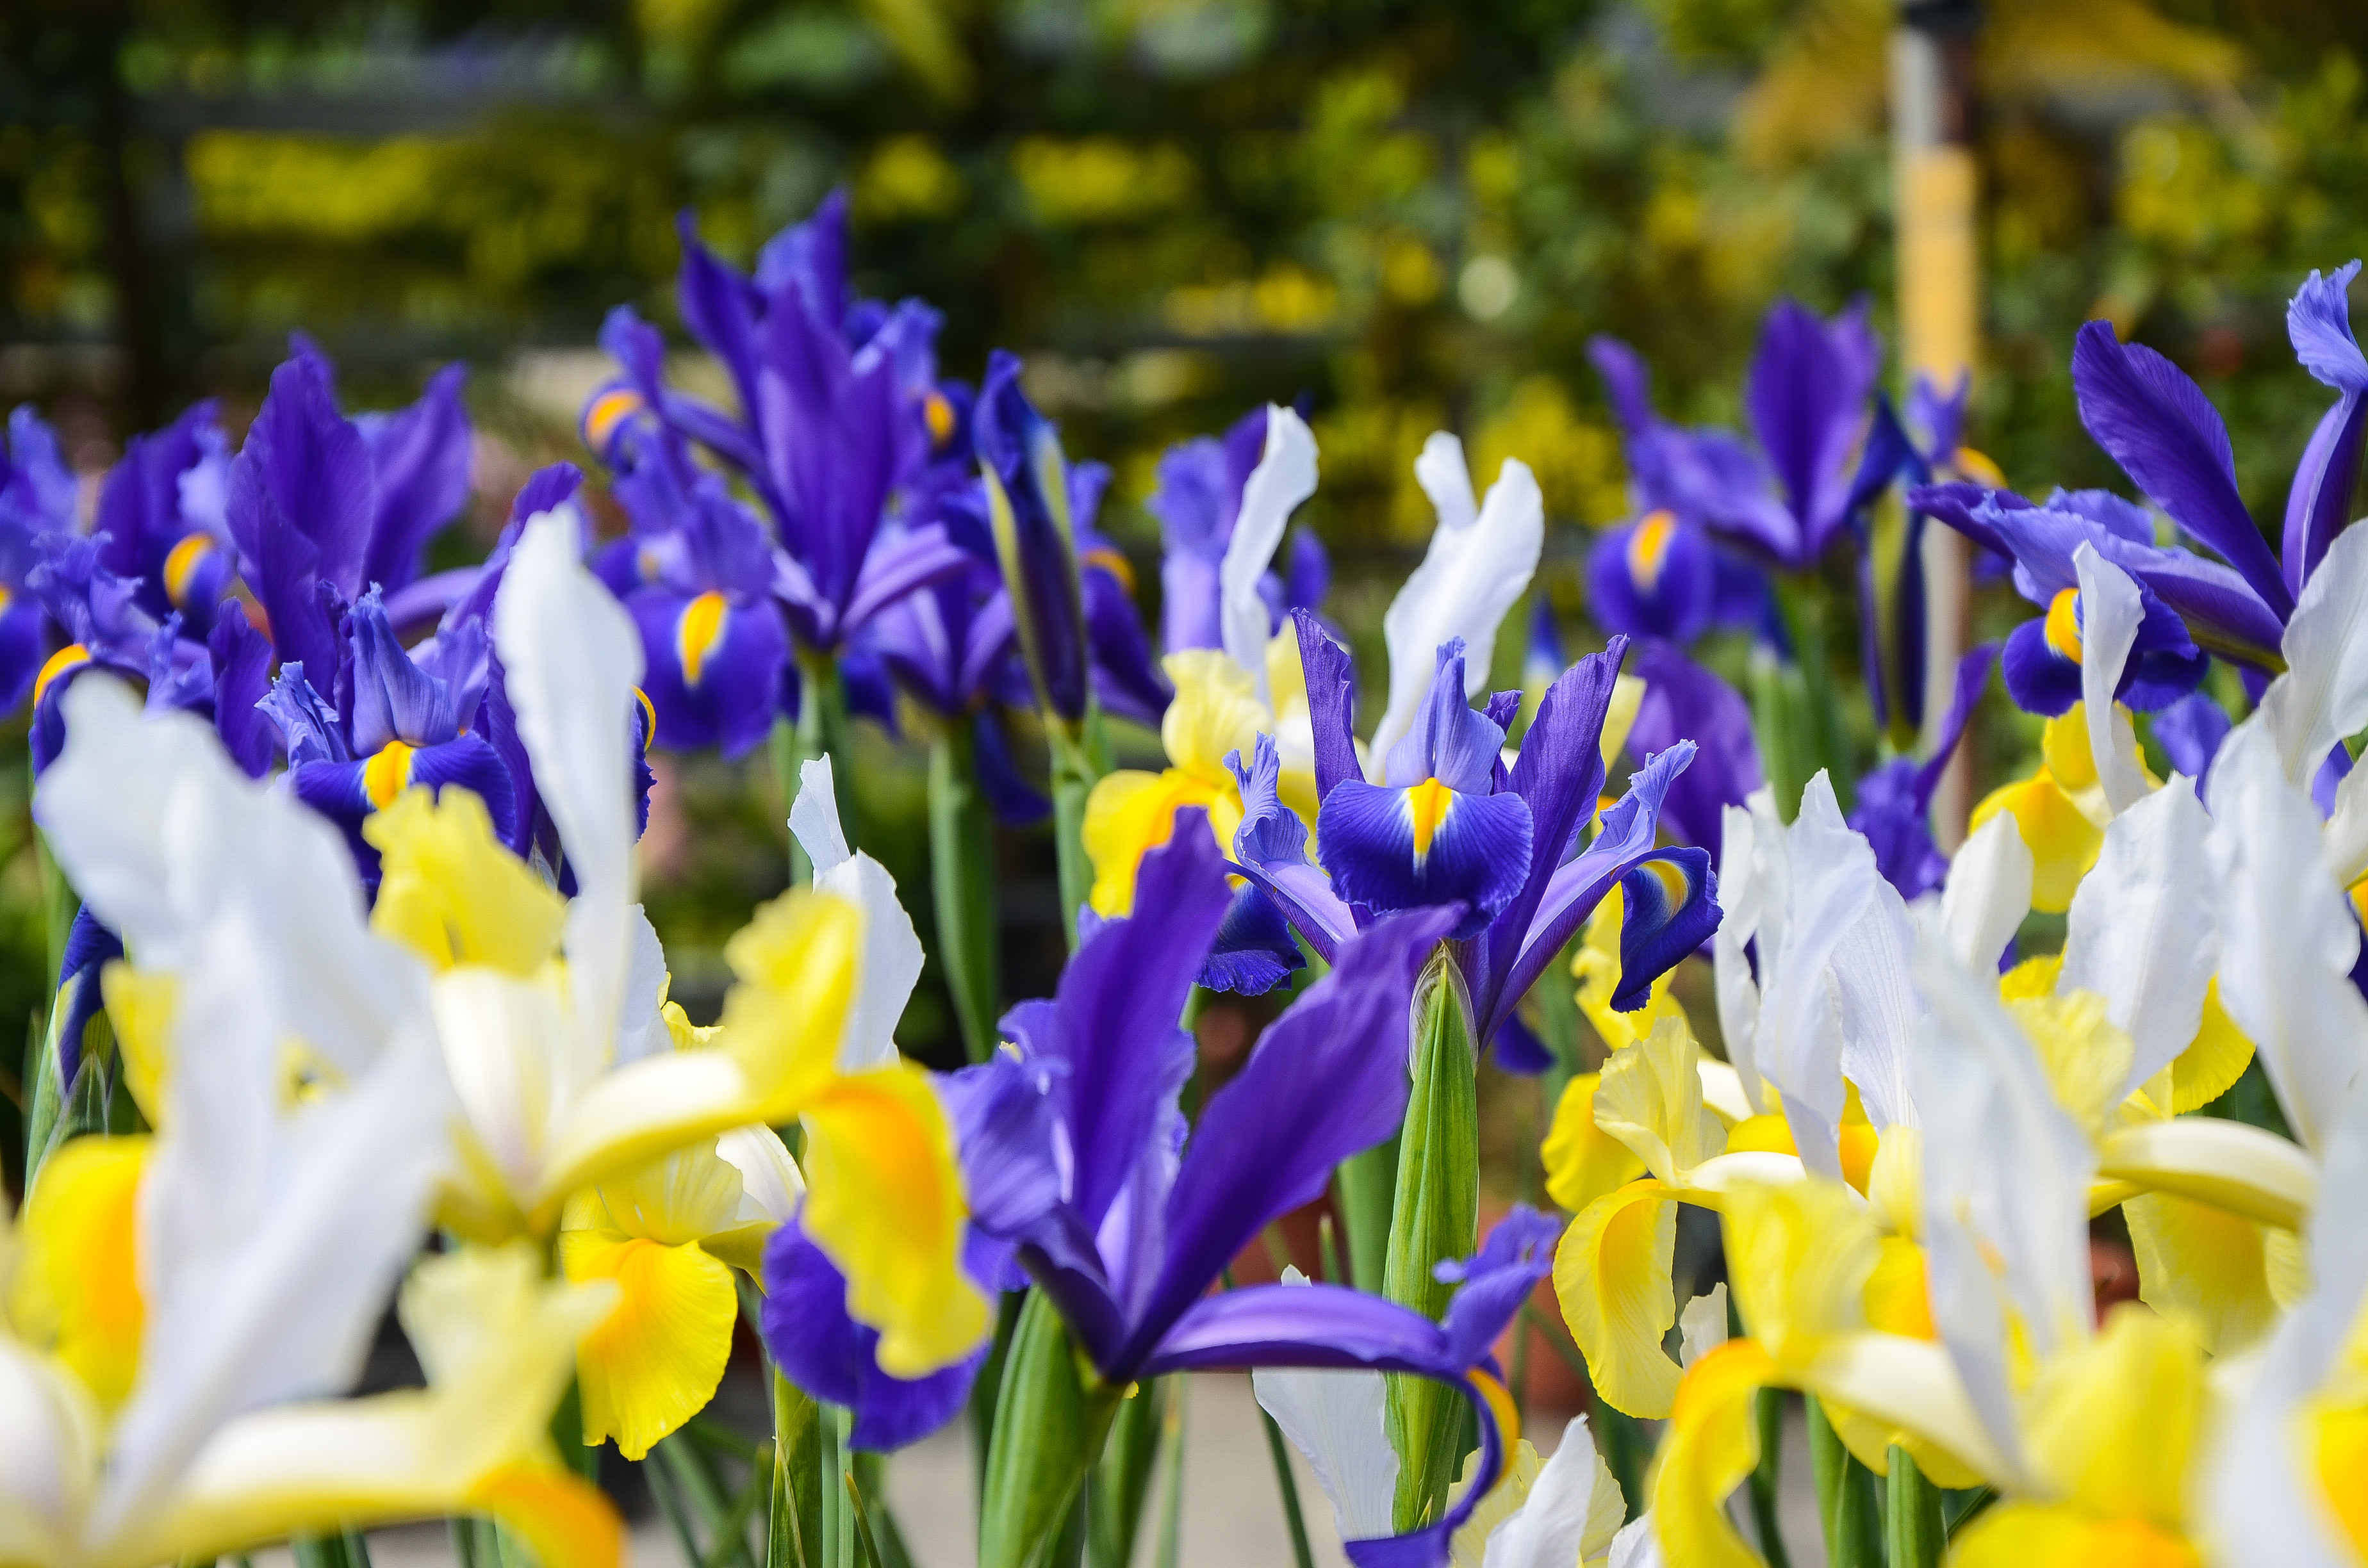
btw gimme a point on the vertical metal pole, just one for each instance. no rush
(1935, 188)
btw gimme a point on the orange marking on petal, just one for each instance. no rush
(1428, 804)
(182, 563)
(610, 410)
(698, 632)
(1117, 565)
(1648, 548)
(2063, 630)
(388, 774)
(940, 416)
(70, 657)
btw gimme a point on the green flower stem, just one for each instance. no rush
(962, 874)
(1051, 1418)
(1302, 1554)
(821, 730)
(793, 1533)
(1079, 760)
(1434, 1218)
(1771, 1414)
(1122, 1481)
(1912, 1537)
(1848, 1505)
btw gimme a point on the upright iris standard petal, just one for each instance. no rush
(2167, 436)
(2319, 320)
(1019, 457)
(1806, 394)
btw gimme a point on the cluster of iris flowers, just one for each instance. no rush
(355, 1000)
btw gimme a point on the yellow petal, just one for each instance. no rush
(1612, 1276)
(1898, 1298)
(1895, 1181)
(2033, 977)
(451, 893)
(139, 1005)
(795, 962)
(657, 1359)
(1713, 1443)
(2086, 1058)
(2064, 843)
(1798, 1257)
(567, 1519)
(1651, 1099)
(1768, 1134)
(1582, 1161)
(2030, 1535)
(77, 1285)
(2225, 1164)
(2341, 1443)
(884, 1202)
(2213, 1061)
(1215, 712)
(1131, 813)
(2209, 1264)
(2115, 1424)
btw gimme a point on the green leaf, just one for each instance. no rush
(961, 876)
(793, 1524)
(1912, 1537)
(1434, 1219)
(1122, 1481)
(1049, 1423)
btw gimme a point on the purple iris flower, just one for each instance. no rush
(1661, 574)
(1197, 500)
(695, 572)
(1893, 806)
(163, 521)
(1076, 1153)
(1126, 679)
(323, 508)
(1806, 396)
(37, 497)
(840, 416)
(1035, 538)
(408, 718)
(221, 676)
(90, 947)
(2158, 426)
(1684, 701)
(1501, 846)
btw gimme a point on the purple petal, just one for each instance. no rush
(242, 660)
(720, 309)
(829, 1355)
(1807, 395)
(1326, 1080)
(1959, 505)
(2167, 436)
(392, 698)
(1016, 802)
(1126, 680)
(1626, 382)
(1254, 951)
(1655, 578)
(1113, 1021)
(1893, 820)
(2319, 320)
(2191, 730)
(21, 653)
(1331, 671)
(899, 564)
(1496, 1280)
(1668, 908)
(739, 667)
(2040, 679)
(1475, 855)
(314, 465)
(419, 464)
(2320, 498)
(1447, 741)
(1685, 701)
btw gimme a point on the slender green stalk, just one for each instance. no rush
(1171, 1468)
(1913, 1536)
(1434, 1218)
(1051, 1420)
(1079, 760)
(983, 1388)
(962, 871)
(1302, 1554)
(1959, 1509)
(1368, 1186)
(1122, 1481)
(793, 1525)
(863, 1539)
(834, 1472)
(1848, 1505)
(1770, 1417)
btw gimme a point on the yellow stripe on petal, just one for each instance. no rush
(1428, 804)
(139, 1008)
(388, 774)
(451, 893)
(657, 1359)
(1582, 1161)
(884, 1202)
(1898, 1299)
(1612, 1276)
(610, 410)
(567, 1519)
(1648, 549)
(697, 632)
(77, 1286)
(1713, 1443)
(181, 564)
(2063, 626)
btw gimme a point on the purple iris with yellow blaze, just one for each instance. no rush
(1433, 833)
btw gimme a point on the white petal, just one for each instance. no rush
(571, 658)
(52, 1436)
(641, 1026)
(1555, 1525)
(2141, 933)
(270, 1238)
(1636, 1546)
(2323, 696)
(890, 965)
(1336, 1420)
(1881, 1012)
(2006, 1176)
(1478, 564)
(1832, 878)
(1988, 893)
(2287, 936)
(771, 1184)
(1701, 1327)
(1284, 477)
(1737, 991)
(160, 833)
(2263, 1490)
(2110, 610)
(814, 817)
(2347, 830)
